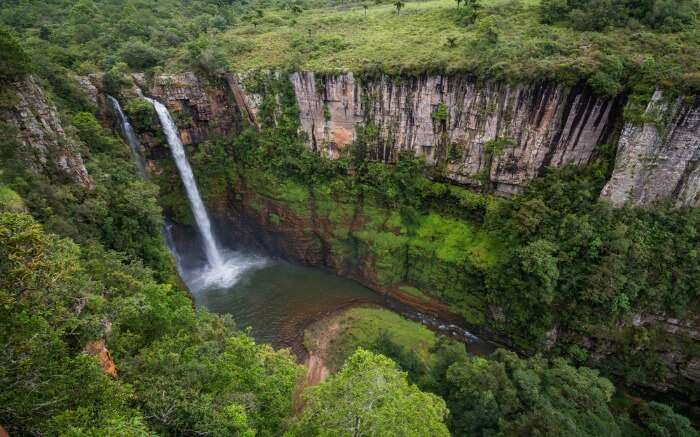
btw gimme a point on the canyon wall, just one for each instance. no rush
(44, 141)
(202, 107)
(478, 132)
(660, 158)
(454, 120)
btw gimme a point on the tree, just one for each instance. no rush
(399, 5)
(459, 2)
(661, 421)
(370, 397)
(506, 395)
(14, 61)
(139, 55)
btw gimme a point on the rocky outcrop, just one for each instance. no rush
(202, 107)
(659, 159)
(40, 131)
(248, 103)
(98, 349)
(454, 120)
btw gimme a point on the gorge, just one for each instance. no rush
(277, 299)
(309, 218)
(551, 133)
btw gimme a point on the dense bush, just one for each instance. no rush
(121, 211)
(370, 397)
(180, 371)
(14, 61)
(665, 15)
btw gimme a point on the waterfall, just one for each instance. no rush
(221, 271)
(216, 261)
(129, 136)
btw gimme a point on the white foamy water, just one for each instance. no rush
(201, 217)
(225, 276)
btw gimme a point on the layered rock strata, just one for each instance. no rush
(507, 134)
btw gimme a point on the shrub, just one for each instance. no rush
(140, 56)
(14, 61)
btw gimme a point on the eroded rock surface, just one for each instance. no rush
(659, 159)
(453, 120)
(41, 132)
(202, 107)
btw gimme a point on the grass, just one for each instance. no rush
(342, 39)
(10, 200)
(413, 291)
(361, 327)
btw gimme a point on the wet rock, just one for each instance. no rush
(201, 107)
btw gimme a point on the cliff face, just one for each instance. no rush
(453, 120)
(202, 107)
(41, 132)
(478, 132)
(659, 159)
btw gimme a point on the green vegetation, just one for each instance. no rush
(10, 201)
(551, 268)
(179, 371)
(520, 40)
(595, 15)
(500, 395)
(14, 62)
(121, 211)
(502, 40)
(367, 328)
(554, 259)
(506, 395)
(370, 397)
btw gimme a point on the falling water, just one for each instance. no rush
(222, 271)
(211, 250)
(129, 136)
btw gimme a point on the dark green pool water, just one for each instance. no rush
(277, 300)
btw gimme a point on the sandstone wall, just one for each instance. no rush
(661, 158)
(543, 124)
(453, 120)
